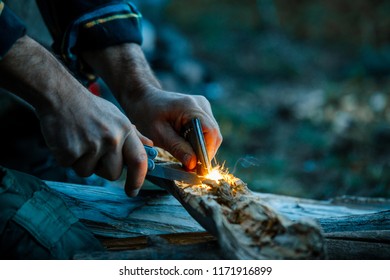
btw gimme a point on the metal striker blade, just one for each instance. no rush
(193, 133)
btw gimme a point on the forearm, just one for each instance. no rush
(125, 69)
(34, 74)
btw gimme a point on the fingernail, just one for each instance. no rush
(133, 193)
(189, 161)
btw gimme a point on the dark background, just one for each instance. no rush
(300, 88)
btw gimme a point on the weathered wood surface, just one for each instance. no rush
(353, 228)
(246, 227)
(109, 213)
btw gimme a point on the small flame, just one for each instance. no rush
(219, 172)
(215, 174)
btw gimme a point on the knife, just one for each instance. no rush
(168, 170)
(193, 133)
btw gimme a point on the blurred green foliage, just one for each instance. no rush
(306, 104)
(351, 22)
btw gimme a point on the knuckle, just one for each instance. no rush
(137, 161)
(196, 101)
(91, 145)
(200, 99)
(113, 136)
(140, 159)
(112, 140)
(125, 123)
(186, 100)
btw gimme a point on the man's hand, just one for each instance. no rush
(160, 115)
(83, 131)
(91, 135)
(168, 112)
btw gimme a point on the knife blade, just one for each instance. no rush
(173, 172)
(168, 170)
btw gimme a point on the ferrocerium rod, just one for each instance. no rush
(194, 135)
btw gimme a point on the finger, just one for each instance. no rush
(145, 140)
(211, 131)
(86, 164)
(213, 142)
(178, 147)
(134, 156)
(110, 165)
(212, 135)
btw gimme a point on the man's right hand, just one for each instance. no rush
(91, 135)
(83, 131)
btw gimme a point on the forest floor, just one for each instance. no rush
(298, 117)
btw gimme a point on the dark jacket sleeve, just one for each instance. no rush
(11, 29)
(79, 25)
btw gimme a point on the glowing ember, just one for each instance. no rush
(215, 175)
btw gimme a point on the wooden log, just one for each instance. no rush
(141, 242)
(109, 213)
(184, 246)
(245, 226)
(354, 227)
(115, 218)
(346, 248)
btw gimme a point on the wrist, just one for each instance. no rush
(125, 70)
